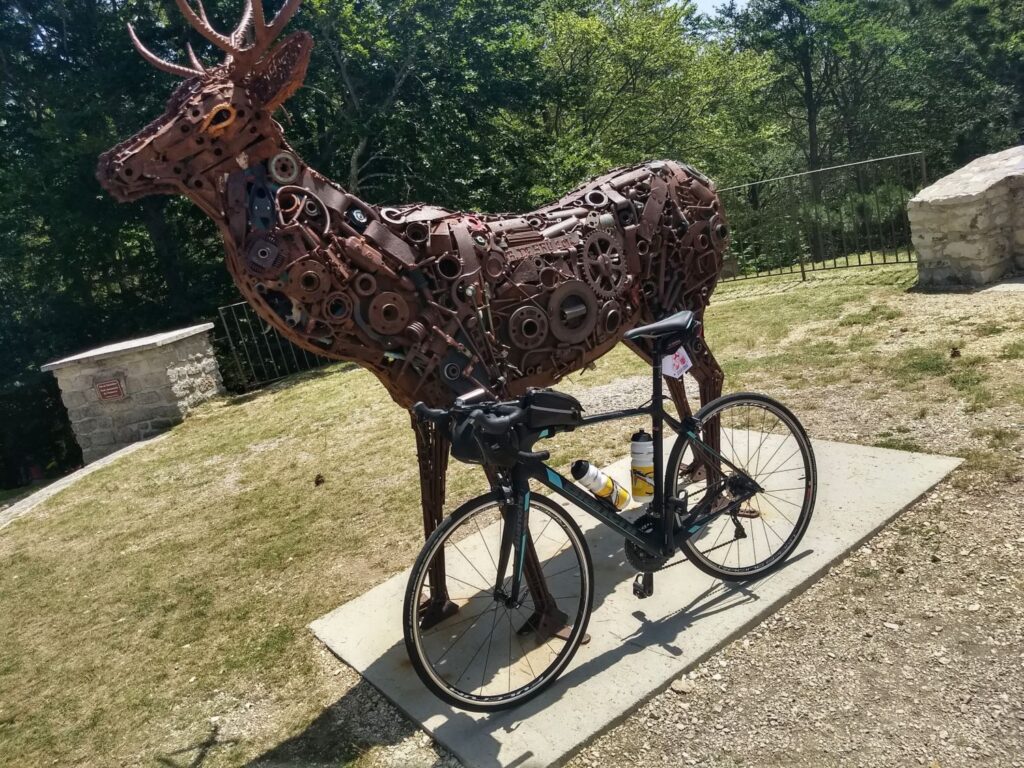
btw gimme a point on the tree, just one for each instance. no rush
(634, 80)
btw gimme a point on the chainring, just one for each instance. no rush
(641, 560)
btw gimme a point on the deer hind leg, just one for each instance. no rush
(710, 377)
(432, 452)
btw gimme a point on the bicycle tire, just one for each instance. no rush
(691, 549)
(414, 634)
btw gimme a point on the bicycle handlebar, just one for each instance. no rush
(425, 413)
(486, 422)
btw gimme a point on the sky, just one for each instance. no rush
(708, 6)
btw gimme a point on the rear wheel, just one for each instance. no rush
(493, 653)
(764, 440)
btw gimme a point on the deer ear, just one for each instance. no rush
(280, 73)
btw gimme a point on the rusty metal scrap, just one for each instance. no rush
(434, 302)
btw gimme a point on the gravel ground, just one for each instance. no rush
(909, 652)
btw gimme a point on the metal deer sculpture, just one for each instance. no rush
(434, 302)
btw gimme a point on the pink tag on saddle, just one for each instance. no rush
(676, 364)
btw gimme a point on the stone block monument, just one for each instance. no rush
(131, 390)
(968, 227)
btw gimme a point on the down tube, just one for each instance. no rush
(569, 490)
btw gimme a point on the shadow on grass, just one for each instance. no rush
(201, 748)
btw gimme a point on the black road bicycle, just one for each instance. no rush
(735, 496)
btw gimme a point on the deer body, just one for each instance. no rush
(434, 302)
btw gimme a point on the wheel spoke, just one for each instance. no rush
(464, 657)
(759, 439)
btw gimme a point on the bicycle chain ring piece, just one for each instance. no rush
(603, 263)
(640, 559)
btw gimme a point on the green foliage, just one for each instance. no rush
(485, 104)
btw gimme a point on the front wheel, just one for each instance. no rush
(494, 652)
(763, 440)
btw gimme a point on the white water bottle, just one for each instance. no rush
(641, 451)
(599, 484)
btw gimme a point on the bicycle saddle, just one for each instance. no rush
(682, 326)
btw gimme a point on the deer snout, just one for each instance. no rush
(123, 177)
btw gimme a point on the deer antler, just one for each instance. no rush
(264, 34)
(202, 25)
(162, 64)
(193, 58)
(241, 58)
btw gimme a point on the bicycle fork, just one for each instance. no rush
(518, 553)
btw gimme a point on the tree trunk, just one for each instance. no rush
(167, 252)
(813, 156)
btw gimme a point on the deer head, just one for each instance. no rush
(219, 116)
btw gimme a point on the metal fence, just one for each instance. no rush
(255, 353)
(844, 216)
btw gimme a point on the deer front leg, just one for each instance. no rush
(547, 619)
(710, 377)
(432, 453)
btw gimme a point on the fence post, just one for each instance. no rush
(924, 170)
(231, 344)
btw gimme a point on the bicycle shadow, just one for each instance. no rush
(362, 718)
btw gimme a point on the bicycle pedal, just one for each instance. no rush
(643, 585)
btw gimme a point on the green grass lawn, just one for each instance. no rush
(176, 585)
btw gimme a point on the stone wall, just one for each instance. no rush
(124, 392)
(968, 227)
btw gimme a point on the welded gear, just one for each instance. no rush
(309, 279)
(528, 327)
(603, 263)
(389, 313)
(283, 168)
(337, 308)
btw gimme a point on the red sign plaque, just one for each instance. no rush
(110, 389)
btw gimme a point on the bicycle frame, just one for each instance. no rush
(662, 540)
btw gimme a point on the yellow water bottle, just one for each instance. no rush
(599, 484)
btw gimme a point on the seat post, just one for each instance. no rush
(657, 423)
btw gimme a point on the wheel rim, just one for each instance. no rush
(482, 655)
(767, 445)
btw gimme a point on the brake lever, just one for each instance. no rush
(534, 455)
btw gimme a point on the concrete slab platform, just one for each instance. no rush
(637, 647)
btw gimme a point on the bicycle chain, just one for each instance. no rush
(686, 559)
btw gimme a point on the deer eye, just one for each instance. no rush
(219, 119)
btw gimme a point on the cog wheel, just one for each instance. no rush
(603, 263)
